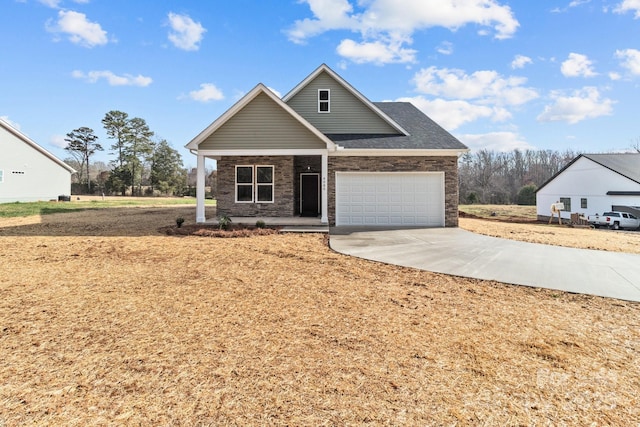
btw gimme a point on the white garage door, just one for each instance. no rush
(390, 198)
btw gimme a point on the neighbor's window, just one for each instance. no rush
(583, 203)
(1, 175)
(254, 184)
(323, 101)
(567, 203)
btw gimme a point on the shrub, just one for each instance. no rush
(224, 222)
(527, 195)
(260, 224)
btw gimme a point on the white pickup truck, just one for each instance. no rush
(615, 220)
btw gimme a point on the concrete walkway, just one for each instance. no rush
(462, 253)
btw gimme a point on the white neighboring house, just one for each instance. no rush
(592, 183)
(28, 172)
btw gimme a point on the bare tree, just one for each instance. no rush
(498, 178)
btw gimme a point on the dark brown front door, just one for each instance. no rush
(310, 194)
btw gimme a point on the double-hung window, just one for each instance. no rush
(324, 101)
(254, 184)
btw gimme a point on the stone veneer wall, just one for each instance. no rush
(283, 195)
(399, 164)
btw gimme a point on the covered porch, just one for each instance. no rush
(298, 173)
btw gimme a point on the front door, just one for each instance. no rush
(309, 194)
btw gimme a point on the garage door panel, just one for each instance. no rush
(393, 198)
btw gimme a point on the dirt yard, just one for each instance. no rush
(106, 321)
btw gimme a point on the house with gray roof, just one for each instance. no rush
(593, 183)
(325, 151)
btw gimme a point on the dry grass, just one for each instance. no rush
(106, 321)
(519, 223)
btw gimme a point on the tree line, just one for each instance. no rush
(490, 177)
(140, 161)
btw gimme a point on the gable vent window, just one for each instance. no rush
(324, 101)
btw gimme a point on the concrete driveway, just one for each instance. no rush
(462, 253)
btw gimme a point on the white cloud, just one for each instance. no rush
(582, 104)
(10, 122)
(55, 4)
(387, 25)
(630, 60)
(483, 86)
(186, 34)
(51, 3)
(573, 3)
(453, 114)
(376, 52)
(113, 79)
(445, 48)
(58, 141)
(496, 141)
(207, 92)
(577, 65)
(629, 6)
(329, 14)
(520, 61)
(276, 92)
(78, 29)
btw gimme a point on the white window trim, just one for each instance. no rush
(264, 184)
(255, 184)
(235, 179)
(328, 101)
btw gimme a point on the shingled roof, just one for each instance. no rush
(424, 133)
(625, 164)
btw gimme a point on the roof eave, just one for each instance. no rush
(34, 145)
(442, 152)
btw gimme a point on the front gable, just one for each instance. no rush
(349, 113)
(584, 177)
(260, 121)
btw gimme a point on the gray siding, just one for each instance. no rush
(348, 114)
(262, 125)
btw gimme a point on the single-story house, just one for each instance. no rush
(592, 183)
(28, 172)
(325, 151)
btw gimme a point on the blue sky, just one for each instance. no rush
(497, 74)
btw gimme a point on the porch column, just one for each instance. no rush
(200, 218)
(324, 218)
